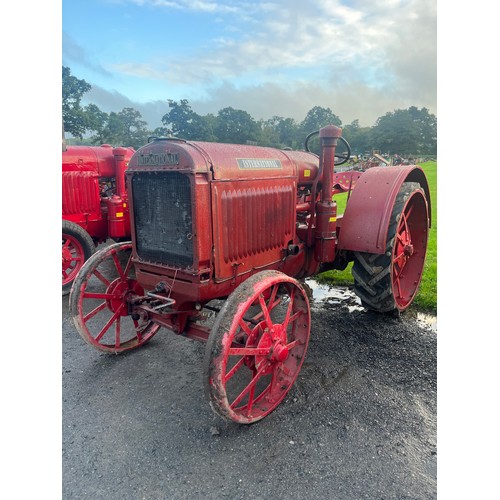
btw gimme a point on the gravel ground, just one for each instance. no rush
(360, 422)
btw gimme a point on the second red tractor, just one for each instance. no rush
(94, 203)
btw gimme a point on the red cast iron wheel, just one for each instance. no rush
(100, 298)
(257, 346)
(389, 281)
(77, 247)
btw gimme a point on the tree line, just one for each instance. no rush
(409, 131)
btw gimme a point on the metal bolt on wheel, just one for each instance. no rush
(99, 302)
(257, 346)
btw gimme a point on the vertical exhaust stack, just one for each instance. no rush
(326, 208)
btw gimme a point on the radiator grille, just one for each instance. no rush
(162, 215)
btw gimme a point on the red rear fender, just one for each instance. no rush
(366, 218)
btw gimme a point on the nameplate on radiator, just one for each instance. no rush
(158, 159)
(258, 163)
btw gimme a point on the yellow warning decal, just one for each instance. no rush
(119, 214)
(332, 219)
(307, 173)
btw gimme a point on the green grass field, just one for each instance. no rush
(426, 299)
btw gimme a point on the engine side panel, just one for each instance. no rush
(253, 222)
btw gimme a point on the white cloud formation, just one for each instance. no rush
(73, 52)
(388, 33)
(234, 7)
(362, 58)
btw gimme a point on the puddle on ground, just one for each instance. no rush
(428, 321)
(321, 294)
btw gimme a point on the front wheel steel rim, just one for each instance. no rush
(261, 355)
(103, 302)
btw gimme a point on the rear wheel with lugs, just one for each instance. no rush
(389, 281)
(256, 347)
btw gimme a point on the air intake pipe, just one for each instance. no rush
(326, 209)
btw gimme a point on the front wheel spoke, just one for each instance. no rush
(234, 369)
(250, 400)
(248, 351)
(274, 377)
(109, 323)
(106, 296)
(137, 330)
(265, 311)
(118, 266)
(292, 318)
(269, 308)
(271, 302)
(98, 275)
(252, 383)
(293, 344)
(243, 325)
(289, 308)
(94, 311)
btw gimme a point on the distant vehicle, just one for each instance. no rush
(94, 203)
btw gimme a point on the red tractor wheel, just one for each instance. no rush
(99, 302)
(77, 247)
(389, 281)
(256, 347)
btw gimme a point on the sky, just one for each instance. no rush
(360, 58)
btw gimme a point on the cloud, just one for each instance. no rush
(356, 101)
(359, 57)
(388, 45)
(108, 101)
(73, 53)
(233, 7)
(350, 102)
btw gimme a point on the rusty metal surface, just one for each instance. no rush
(257, 346)
(253, 222)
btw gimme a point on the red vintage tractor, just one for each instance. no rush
(94, 203)
(231, 230)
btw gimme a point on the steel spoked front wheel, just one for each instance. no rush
(100, 300)
(257, 346)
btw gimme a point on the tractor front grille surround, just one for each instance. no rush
(163, 217)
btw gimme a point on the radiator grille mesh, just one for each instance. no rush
(163, 219)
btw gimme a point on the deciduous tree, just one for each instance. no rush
(73, 115)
